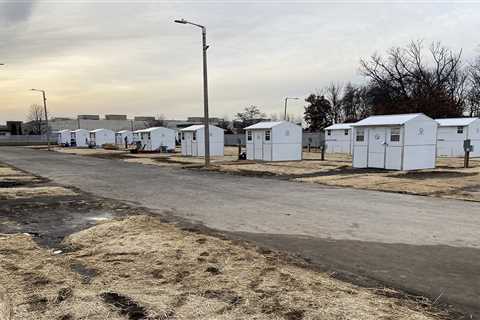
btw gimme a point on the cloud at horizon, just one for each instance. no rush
(130, 58)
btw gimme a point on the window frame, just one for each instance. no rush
(346, 132)
(460, 130)
(393, 133)
(249, 135)
(194, 136)
(268, 135)
(329, 132)
(357, 135)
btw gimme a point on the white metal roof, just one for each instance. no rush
(101, 129)
(123, 131)
(64, 130)
(338, 126)
(151, 129)
(195, 127)
(395, 119)
(79, 130)
(264, 125)
(455, 122)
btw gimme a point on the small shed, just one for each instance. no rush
(153, 139)
(395, 142)
(338, 138)
(63, 137)
(120, 137)
(99, 137)
(79, 138)
(193, 142)
(274, 141)
(453, 132)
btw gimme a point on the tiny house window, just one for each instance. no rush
(395, 134)
(329, 132)
(360, 135)
(460, 130)
(183, 135)
(249, 135)
(194, 136)
(267, 135)
(346, 132)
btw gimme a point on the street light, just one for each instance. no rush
(46, 114)
(286, 101)
(205, 88)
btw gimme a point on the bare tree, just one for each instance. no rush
(473, 94)
(333, 93)
(403, 80)
(35, 118)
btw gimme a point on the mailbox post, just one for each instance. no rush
(467, 147)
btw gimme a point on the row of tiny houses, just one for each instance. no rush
(450, 137)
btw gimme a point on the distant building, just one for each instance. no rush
(199, 120)
(15, 127)
(88, 117)
(115, 117)
(144, 118)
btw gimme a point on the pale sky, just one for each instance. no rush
(128, 57)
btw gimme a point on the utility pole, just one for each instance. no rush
(286, 102)
(205, 89)
(46, 115)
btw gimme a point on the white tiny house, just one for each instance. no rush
(63, 137)
(338, 138)
(395, 142)
(79, 138)
(122, 136)
(453, 132)
(193, 142)
(99, 137)
(155, 139)
(274, 141)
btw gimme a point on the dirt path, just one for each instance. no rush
(122, 262)
(423, 245)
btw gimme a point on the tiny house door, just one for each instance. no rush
(376, 147)
(188, 143)
(258, 145)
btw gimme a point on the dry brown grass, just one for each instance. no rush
(173, 274)
(7, 171)
(31, 192)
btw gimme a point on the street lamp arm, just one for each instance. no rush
(183, 21)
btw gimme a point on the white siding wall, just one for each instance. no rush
(81, 138)
(162, 137)
(120, 138)
(338, 141)
(102, 137)
(450, 142)
(416, 146)
(287, 142)
(360, 149)
(196, 147)
(420, 144)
